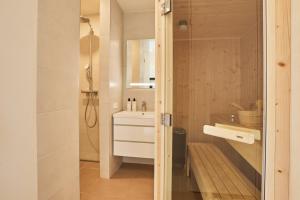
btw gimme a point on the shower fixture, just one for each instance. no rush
(90, 93)
(89, 68)
(85, 20)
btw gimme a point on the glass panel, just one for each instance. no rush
(218, 99)
(140, 59)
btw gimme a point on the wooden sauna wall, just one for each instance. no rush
(252, 59)
(215, 61)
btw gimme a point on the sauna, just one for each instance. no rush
(218, 97)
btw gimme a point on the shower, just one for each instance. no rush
(85, 20)
(90, 93)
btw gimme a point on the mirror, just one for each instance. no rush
(140, 63)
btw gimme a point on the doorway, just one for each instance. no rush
(215, 93)
(118, 87)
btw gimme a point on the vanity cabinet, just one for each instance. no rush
(133, 134)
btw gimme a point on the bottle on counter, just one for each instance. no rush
(134, 105)
(129, 105)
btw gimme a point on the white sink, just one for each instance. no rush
(137, 114)
(134, 118)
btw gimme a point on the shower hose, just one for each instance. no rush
(90, 102)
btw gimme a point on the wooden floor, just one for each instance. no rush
(131, 182)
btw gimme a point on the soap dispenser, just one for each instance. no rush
(129, 105)
(134, 105)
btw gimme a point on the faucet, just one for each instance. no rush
(144, 106)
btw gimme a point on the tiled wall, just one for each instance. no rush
(18, 178)
(57, 100)
(147, 95)
(110, 89)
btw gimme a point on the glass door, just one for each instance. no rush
(213, 87)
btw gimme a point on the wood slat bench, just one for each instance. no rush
(216, 176)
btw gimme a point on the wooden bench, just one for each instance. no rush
(216, 176)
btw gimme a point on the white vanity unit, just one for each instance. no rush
(133, 134)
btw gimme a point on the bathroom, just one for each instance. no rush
(120, 97)
(149, 99)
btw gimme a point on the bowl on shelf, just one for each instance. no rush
(250, 118)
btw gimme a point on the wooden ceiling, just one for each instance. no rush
(216, 18)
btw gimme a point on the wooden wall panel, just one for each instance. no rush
(283, 97)
(250, 72)
(202, 89)
(181, 84)
(252, 60)
(214, 18)
(278, 60)
(207, 80)
(214, 82)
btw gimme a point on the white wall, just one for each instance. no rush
(295, 107)
(57, 99)
(138, 26)
(110, 89)
(18, 163)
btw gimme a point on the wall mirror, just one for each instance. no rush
(140, 63)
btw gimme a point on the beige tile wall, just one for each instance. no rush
(110, 89)
(18, 54)
(147, 95)
(57, 100)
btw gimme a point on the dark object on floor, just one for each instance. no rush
(179, 147)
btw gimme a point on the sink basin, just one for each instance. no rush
(134, 118)
(137, 114)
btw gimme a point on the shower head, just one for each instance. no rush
(84, 19)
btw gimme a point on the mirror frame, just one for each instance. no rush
(127, 86)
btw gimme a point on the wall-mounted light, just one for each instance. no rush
(143, 84)
(183, 25)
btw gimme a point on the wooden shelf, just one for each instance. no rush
(252, 153)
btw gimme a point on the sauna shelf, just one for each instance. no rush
(240, 134)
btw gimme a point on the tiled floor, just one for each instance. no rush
(131, 182)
